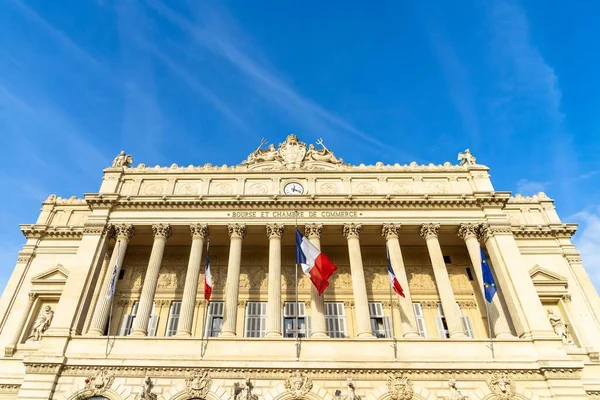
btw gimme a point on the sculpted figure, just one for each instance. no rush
(560, 328)
(455, 394)
(466, 158)
(243, 392)
(122, 160)
(146, 391)
(351, 395)
(41, 324)
(258, 155)
(322, 155)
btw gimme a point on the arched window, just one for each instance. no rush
(97, 398)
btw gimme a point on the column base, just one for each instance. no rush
(273, 334)
(227, 334)
(138, 333)
(183, 334)
(505, 335)
(365, 335)
(94, 332)
(412, 335)
(319, 335)
(458, 335)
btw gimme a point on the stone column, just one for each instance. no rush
(236, 233)
(407, 313)
(188, 301)
(359, 288)
(124, 233)
(430, 233)
(10, 348)
(319, 328)
(161, 233)
(500, 328)
(274, 232)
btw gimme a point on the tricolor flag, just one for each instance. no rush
(393, 281)
(315, 264)
(113, 282)
(208, 283)
(489, 285)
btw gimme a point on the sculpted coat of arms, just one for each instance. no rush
(400, 388)
(198, 384)
(99, 382)
(298, 385)
(502, 386)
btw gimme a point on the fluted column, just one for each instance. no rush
(161, 233)
(186, 316)
(430, 233)
(274, 232)
(498, 322)
(124, 233)
(236, 233)
(319, 328)
(407, 313)
(359, 288)
(10, 348)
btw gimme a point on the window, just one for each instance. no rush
(441, 322)
(214, 319)
(420, 319)
(447, 260)
(466, 323)
(469, 274)
(380, 324)
(335, 320)
(290, 311)
(129, 319)
(256, 319)
(121, 273)
(173, 320)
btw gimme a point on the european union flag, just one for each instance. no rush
(489, 286)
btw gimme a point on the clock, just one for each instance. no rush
(293, 188)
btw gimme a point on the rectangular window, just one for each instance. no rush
(121, 273)
(129, 319)
(214, 319)
(466, 322)
(441, 322)
(291, 310)
(256, 319)
(173, 320)
(447, 260)
(469, 274)
(335, 320)
(152, 322)
(420, 319)
(380, 324)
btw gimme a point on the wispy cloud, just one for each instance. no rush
(216, 31)
(587, 241)
(529, 188)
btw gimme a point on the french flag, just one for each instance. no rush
(315, 264)
(393, 281)
(208, 282)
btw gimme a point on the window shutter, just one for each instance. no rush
(173, 321)
(335, 320)
(214, 315)
(466, 321)
(440, 322)
(420, 319)
(152, 325)
(125, 325)
(308, 327)
(256, 320)
(388, 327)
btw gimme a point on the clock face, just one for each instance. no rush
(293, 188)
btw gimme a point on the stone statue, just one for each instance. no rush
(260, 155)
(243, 392)
(324, 154)
(40, 325)
(351, 395)
(560, 328)
(122, 160)
(146, 392)
(466, 158)
(455, 394)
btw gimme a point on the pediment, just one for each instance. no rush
(543, 276)
(55, 275)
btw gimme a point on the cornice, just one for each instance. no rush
(562, 231)
(9, 388)
(52, 232)
(101, 201)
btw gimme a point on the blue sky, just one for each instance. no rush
(196, 82)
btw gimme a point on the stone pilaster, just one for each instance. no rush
(319, 328)
(236, 234)
(430, 233)
(407, 313)
(359, 288)
(199, 232)
(498, 322)
(161, 233)
(274, 232)
(124, 233)
(10, 348)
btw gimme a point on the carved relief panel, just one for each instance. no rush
(420, 279)
(153, 188)
(364, 187)
(328, 186)
(258, 187)
(222, 187)
(400, 186)
(187, 188)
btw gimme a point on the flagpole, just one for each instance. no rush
(392, 312)
(487, 311)
(297, 308)
(112, 296)
(206, 302)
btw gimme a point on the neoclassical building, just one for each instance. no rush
(266, 334)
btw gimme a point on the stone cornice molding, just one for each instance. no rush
(313, 230)
(9, 388)
(486, 231)
(351, 230)
(564, 231)
(101, 201)
(162, 230)
(54, 232)
(468, 230)
(274, 230)
(429, 230)
(199, 231)
(236, 230)
(390, 231)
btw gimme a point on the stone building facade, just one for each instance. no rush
(266, 333)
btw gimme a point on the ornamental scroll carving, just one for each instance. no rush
(502, 386)
(298, 385)
(400, 387)
(351, 230)
(99, 382)
(429, 230)
(197, 384)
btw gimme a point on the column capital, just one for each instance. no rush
(236, 230)
(123, 231)
(161, 230)
(274, 230)
(390, 231)
(199, 231)
(468, 230)
(351, 230)
(429, 230)
(313, 230)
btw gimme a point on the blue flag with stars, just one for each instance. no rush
(489, 286)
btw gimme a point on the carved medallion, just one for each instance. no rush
(292, 151)
(502, 386)
(437, 188)
(197, 384)
(258, 188)
(154, 189)
(187, 189)
(365, 188)
(99, 382)
(401, 188)
(329, 188)
(400, 388)
(222, 189)
(298, 385)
